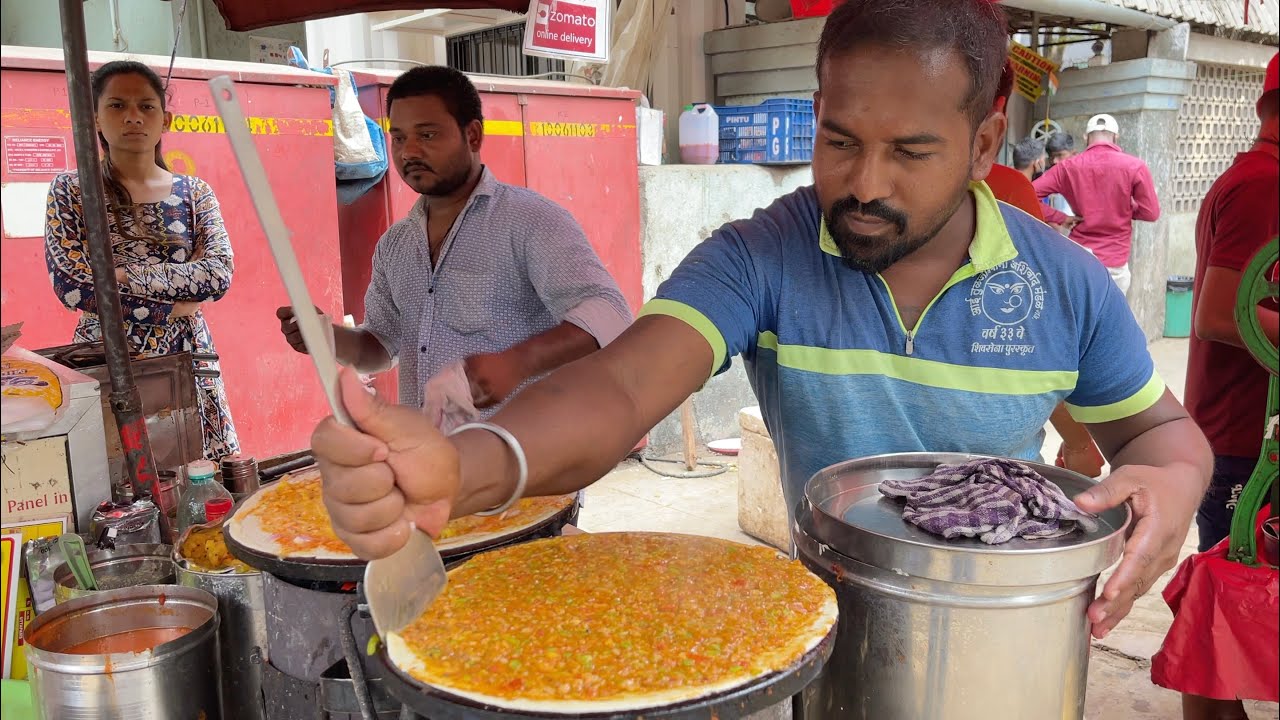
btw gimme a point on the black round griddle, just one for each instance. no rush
(737, 702)
(550, 527)
(296, 569)
(321, 570)
(306, 572)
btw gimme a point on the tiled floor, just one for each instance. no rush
(633, 498)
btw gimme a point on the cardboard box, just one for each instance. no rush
(36, 478)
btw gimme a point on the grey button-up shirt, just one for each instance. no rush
(513, 265)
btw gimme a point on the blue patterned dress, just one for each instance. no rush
(172, 251)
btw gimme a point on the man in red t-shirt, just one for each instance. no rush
(1108, 189)
(1226, 387)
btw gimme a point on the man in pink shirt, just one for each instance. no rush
(1108, 189)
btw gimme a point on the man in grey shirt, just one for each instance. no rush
(493, 275)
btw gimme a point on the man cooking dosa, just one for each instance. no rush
(894, 306)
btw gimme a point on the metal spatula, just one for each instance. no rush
(400, 587)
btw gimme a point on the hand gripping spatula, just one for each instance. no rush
(400, 587)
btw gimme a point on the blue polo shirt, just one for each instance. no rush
(1030, 320)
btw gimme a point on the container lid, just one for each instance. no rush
(844, 509)
(216, 508)
(199, 470)
(238, 460)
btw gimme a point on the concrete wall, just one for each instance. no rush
(352, 37)
(1144, 95)
(145, 27)
(761, 61)
(680, 206)
(1181, 258)
(222, 44)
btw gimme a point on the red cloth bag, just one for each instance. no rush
(1226, 626)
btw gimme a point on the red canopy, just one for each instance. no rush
(244, 15)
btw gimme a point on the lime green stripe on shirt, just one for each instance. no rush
(696, 320)
(1134, 404)
(930, 373)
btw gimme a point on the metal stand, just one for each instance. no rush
(1255, 287)
(126, 404)
(301, 646)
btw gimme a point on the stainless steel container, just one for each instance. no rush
(239, 474)
(126, 566)
(167, 388)
(242, 636)
(934, 629)
(176, 680)
(170, 491)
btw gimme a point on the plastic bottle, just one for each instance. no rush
(201, 489)
(699, 135)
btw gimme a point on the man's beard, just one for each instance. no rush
(877, 253)
(443, 184)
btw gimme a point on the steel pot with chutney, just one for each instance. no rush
(125, 566)
(936, 629)
(139, 652)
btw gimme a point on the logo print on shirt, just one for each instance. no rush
(1007, 297)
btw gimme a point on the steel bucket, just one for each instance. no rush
(932, 629)
(242, 636)
(176, 680)
(126, 566)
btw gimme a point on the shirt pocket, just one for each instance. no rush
(466, 294)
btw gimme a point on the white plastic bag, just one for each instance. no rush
(447, 399)
(351, 142)
(31, 397)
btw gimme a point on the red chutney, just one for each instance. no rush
(130, 641)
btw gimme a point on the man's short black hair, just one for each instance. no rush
(452, 87)
(1060, 142)
(1027, 152)
(976, 29)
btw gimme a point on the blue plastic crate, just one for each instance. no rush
(775, 132)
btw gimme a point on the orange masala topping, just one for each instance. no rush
(295, 515)
(596, 617)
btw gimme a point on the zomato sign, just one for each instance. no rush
(571, 29)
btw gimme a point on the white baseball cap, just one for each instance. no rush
(1102, 122)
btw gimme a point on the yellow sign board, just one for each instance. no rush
(16, 607)
(1029, 71)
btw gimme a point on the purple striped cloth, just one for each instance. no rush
(993, 500)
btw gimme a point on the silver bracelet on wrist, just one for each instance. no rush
(521, 462)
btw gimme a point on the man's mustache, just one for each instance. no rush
(875, 208)
(414, 166)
